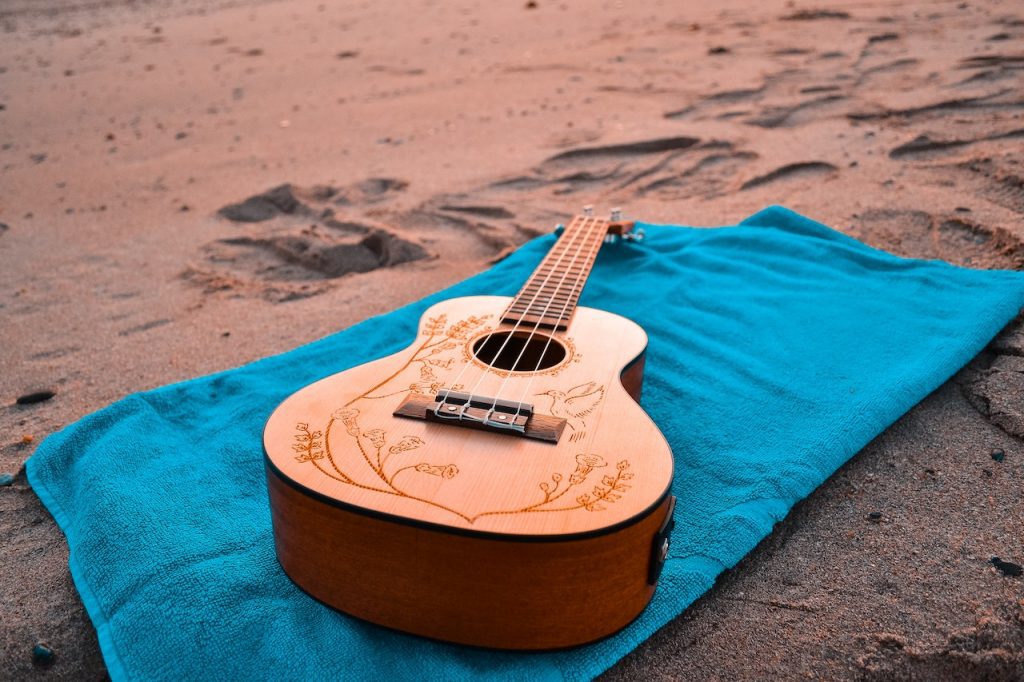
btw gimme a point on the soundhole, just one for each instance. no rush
(523, 352)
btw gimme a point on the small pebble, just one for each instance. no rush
(531, 4)
(6, 480)
(998, 454)
(42, 655)
(719, 50)
(1007, 567)
(27, 438)
(35, 397)
(875, 516)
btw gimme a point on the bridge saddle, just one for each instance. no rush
(480, 412)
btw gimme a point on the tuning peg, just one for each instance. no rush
(616, 215)
(635, 235)
(588, 210)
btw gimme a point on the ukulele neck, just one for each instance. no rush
(549, 297)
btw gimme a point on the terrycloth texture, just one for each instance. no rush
(778, 349)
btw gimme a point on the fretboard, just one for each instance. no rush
(549, 297)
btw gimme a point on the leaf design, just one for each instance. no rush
(435, 325)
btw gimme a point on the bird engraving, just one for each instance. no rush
(575, 405)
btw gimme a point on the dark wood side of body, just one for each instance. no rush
(506, 594)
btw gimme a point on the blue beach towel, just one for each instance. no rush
(778, 349)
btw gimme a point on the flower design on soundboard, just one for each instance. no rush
(609, 491)
(430, 358)
(309, 444)
(376, 437)
(373, 446)
(463, 328)
(434, 325)
(584, 465)
(379, 457)
(347, 416)
(407, 443)
(448, 471)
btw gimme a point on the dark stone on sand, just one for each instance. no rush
(35, 397)
(794, 169)
(875, 517)
(998, 454)
(6, 480)
(347, 54)
(321, 256)
(180, 136)
(655, 146)
(4, 227)
(1007, 568)
(923, 143)
(377, 186)
(813, 14)
(531, 4)
(998, 393)
(42, 655)
(720, 49)
(883, 37)
(483, 211)
(37, 158)
(260, 207)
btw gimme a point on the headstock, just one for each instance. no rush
(617, 227)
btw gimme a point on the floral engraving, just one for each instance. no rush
(446, 471)
(376, 449)
(309, 445)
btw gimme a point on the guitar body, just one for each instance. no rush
(471, 535)
(465, 535)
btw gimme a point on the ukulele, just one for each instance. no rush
(495, 483)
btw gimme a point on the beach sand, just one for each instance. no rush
(187, 186)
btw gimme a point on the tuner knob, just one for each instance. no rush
(588, 210)
(616, 215)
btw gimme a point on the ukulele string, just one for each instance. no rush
(508, 338)
(565, 307)
(587, 231)
(579, 235)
